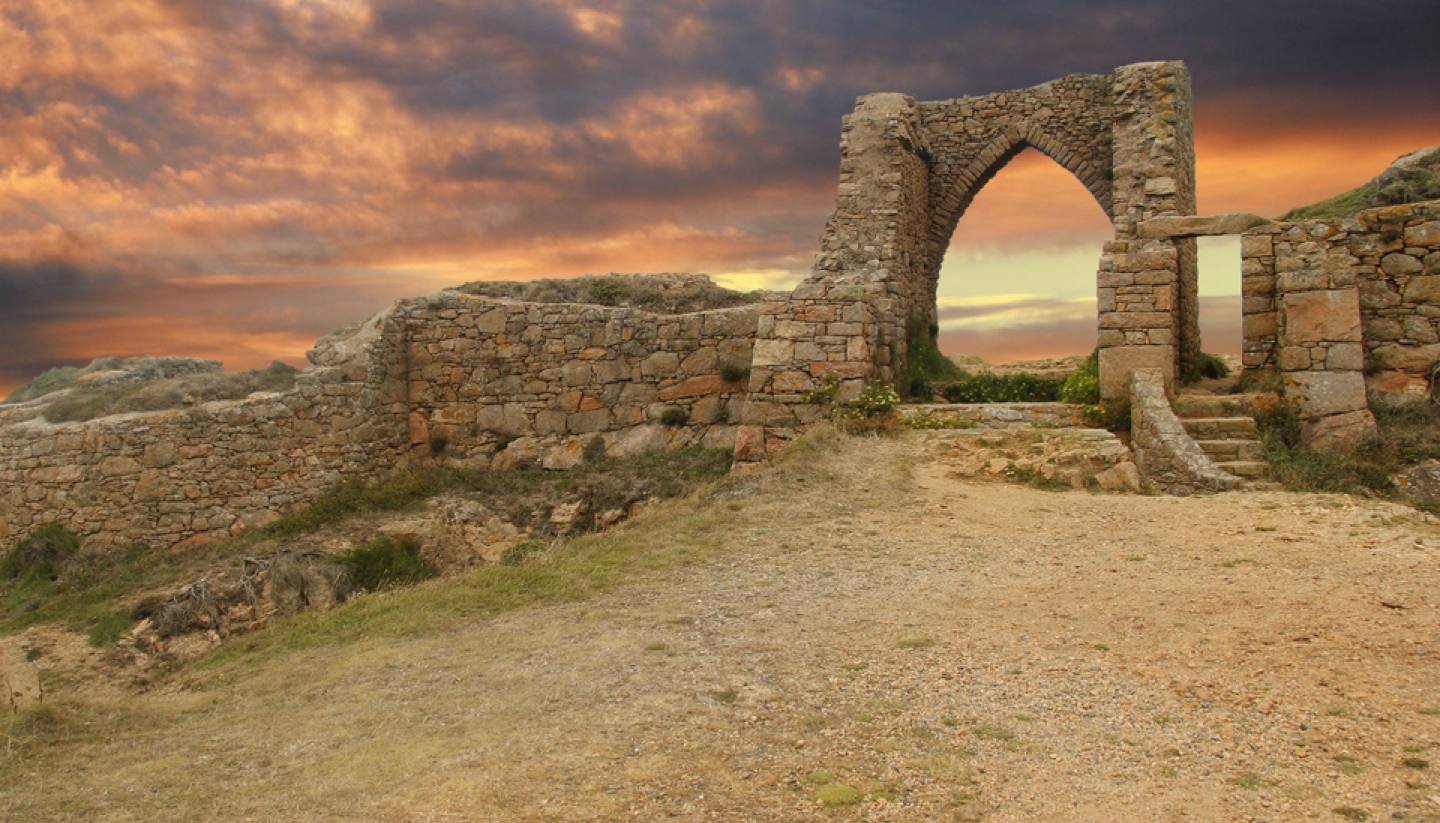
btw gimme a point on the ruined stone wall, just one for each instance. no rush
(1342, 304)
(162, 478)
(1147, 286)
(909, 170)
(486, 373)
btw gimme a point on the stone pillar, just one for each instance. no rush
(1257, 289)
(1144, 284)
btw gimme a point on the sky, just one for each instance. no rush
(235, 178)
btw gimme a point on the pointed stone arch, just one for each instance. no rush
(908, 171)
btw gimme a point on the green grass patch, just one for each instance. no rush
(48, 381)
(988, 387)
(993, 731)
(1205, 366)
(838, 794)
(383, 563)
(568, 572)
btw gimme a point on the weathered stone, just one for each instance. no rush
(1396, 264)
(1325, 315)
(1324, 393)
(1200, 225)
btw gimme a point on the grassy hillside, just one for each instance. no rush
(1420, 181)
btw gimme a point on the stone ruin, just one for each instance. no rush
(1341, 308)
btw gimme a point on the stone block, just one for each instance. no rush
(1320, 393)
(1425, 234)
(1345, 357)
(1328, 315)
(771, 352)
(1398, 264)
(1117, 364)
(1256, 245)
(1405, 358)
(1340, 432)
(1423, 289)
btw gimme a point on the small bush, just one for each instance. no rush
(1205, 366)
(872, 401)
(732, 373)
(1259, 380)
(384, 562)
(41, 555)
(1083, 386)
(986, 387)
(522, 551)
(1113, 415)
(438, 444)
(925, 364)
(594, 450)
(674, 416)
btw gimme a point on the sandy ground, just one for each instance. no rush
(953, 650)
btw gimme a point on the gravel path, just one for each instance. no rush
(877, 631)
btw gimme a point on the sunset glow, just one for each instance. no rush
(233, 180)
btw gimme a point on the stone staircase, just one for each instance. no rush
(1223, 425)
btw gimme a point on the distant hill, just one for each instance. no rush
(1411, 178)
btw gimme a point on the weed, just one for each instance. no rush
(1351, 813)
(106, 630)
(1101, 647)
(819, 777)
(40, 555)
(733, 373)
(1034, 479)
(1259, 380)
(724, 696)
(925, 364)
(384, 562)
(928, 421)
(1415, 763)
(438, 444)
(637, 291)
(674, 416)
(656, 647)
(356, 496)
(992, 731)
(594, 450)
(518, 553)
(916, 642)
(1205, 366)
(856, 667)
(1347, 764)
(1250, 780)
(1112, 415)
(838, 794)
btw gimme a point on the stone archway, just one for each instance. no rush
(908, 171)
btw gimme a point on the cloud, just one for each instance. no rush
(374, 148)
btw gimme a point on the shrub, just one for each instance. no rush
(674, 416)
(1113, 415)
(594, 450)
(384, 562)
(438, 444)
(925, 364)
(1083, 386)
(872, 401)
(986, 387)
(41, 555)
(1205, 367)
(733, 373)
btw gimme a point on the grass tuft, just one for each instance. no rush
(383, 563)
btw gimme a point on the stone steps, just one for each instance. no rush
(1221, 428)
(1226, 450)
(1248, 469)
(1216, 405)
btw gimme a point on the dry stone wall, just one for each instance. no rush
(163, 478)
(1345, 308)
(487, 375)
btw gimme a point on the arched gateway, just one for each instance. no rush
(909, 170)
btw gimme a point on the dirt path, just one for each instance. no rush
(952, 650)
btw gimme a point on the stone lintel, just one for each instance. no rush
(1199, 225)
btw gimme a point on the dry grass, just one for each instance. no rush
(654, 294)
(89, 402)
